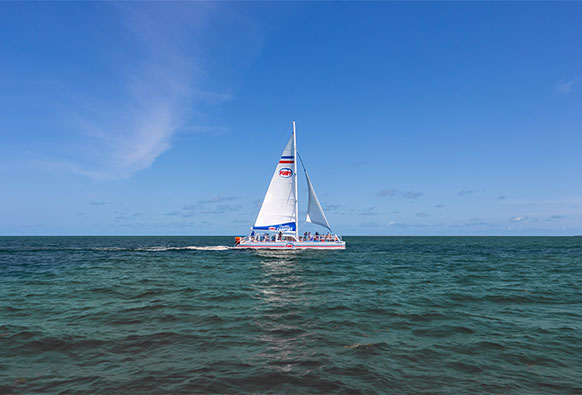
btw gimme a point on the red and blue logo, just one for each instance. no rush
(285, 172)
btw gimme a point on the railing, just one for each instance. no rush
(276, 239)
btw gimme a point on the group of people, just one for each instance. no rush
(265, 237)
(307, 236)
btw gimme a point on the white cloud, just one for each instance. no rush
(519, 219)
(163, 87)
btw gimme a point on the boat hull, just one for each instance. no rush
(299, 245)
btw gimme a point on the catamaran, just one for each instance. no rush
(277, 225)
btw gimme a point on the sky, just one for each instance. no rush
(168, 118)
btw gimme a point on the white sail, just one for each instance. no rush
(315, 213)
(279, 209)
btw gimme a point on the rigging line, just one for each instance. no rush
(301, 160)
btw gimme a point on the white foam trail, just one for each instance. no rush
(197, 248)
(208, 248)
(160, 249)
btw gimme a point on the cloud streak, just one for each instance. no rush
(522, 218)
(214, 205)
(162, 89)
(466, 192)
(400, 194)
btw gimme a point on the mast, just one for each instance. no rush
(295, 175)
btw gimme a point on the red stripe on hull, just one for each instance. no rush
(286, 161)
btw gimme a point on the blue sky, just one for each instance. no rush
(456, 118)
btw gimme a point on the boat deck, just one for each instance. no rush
(292, 245)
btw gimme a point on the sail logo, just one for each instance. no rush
(286, 172)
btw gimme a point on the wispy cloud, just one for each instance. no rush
(401, 225)
(388, 193)
(501, 197)
(331, 207)
(96, 203)
(162, 88)
(422, 215)
(567, 86)
(217, 199)
(474, 222)
(214, 205)
(127, 217)
(371, 224)
(411, 195)
(369, 211)
(466, 192)
(396, 193)
(522, 218)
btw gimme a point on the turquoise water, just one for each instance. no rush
(389, 314)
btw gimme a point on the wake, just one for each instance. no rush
(161, 248)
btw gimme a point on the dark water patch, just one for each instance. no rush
(465, 367)
(486, 345)
(67, 345)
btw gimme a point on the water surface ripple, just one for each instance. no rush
(389, 314)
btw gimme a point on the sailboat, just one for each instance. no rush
(277, 225)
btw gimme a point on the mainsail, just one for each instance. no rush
(279, 209)
(315, 213)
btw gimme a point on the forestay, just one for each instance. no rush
(279, 209)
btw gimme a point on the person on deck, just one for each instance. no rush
(280, 236)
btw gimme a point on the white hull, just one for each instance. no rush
(295, 245)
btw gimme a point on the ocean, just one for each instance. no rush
(387, 315)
